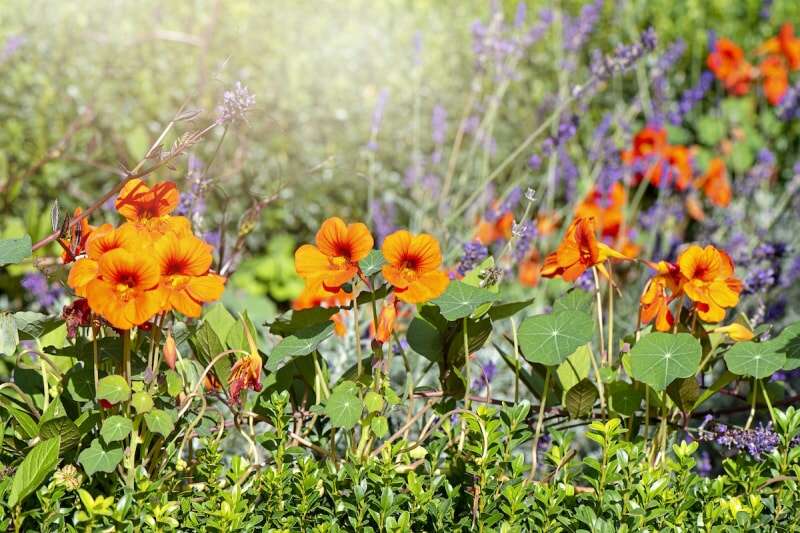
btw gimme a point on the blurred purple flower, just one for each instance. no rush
(44, 293)
(488, 371)
(11, 46)
(377, 118)
(474, 253)
(578, 29)
(235, 104)
(383, 219)
(691, 97)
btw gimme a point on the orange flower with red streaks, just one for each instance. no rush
(578, 251)
(715, 183)
(148, 210)
(334, 260)
(785, 44)
(774, 79)
(648, 145)
(709, 281)
(605, 208)
(186, 282)
(657, 161)
(125, 292)
(490, 232)
(315, 295)
(102, 240)
(413, 266)
(728, 64)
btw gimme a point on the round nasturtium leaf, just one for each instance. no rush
(755, 359)
(113, 389)
(660, 358)
(550, 339)
(116, 428)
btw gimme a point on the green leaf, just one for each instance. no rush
(424, 338)
(460, 300)
(298, 320)
(624, 398)
(710, 130)
(580, 399)
(220, 320)
(755, 359)
(575, 368)
(660, 358)
(550, 339)
(116, 428)
(61, 427)
(742, 157)
(159, 421)
(343, 408)
(113, 389)
(788, 343)
(373, 263)
(25, 424)
(684, 392)
(15, 250)
(207, 345)
(174, 383)
(9, 337)
(100, 458)
(237, 340)
(574, 300)
(715, 387)
(379, 426)
(506, 310)
(373, 402)
(478, 332)
(142, 401)
(39, 462)
(301, 343)
(35, 325)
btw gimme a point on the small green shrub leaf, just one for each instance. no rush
(301, 343)
(39, 462)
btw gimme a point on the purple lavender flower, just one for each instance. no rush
(534, 162)
(11, 46)
(789, 106)
(755, 442)
(383, 217)
(567, 173)
(525, 236)
(585, 281)
(488, 371)
(761, 172)
(235, 104)
(704, 466)
(622, 60)
(691, 97)
(474, 253)
(45, 294)
(759, 280)
(192, 202)
(766, 9)
(521, 14)
(377, 118)
(577, 30)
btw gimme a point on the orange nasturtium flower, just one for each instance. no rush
(530, 269)
(148, 210)
(386, 320)
(334, 260)
(659, 291)
(125, 291)
(186, 282)
(657, 161)
(102, 240)
(413, 266)
(578, 251)
(315, 295)
(774, 79)
(715, 183)
(709, 281)
(728, 64)
(785, 44)
(606, 209)
(491, 231)
(75, 244)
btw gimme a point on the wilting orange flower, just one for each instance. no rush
(125, 289)
(386, 320)
(413, 266)
(578, 251)
(315, 295)
(246, 372)
(491, 231)
(715, 183)
(334, 260)
(75, 244)
(186, 282)
(736, 332)
(785, 44)
(661, 289)
(709, 281)
(530, 270)
(339, 327)
(170, 351)
(774, 79)
(547, 223)
(728, 64)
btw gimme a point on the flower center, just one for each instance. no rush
(339, 262)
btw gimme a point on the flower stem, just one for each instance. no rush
(126, 355)
(539, 420)
(599, 314)
(466, 384)
(516, 360)
(752, 405)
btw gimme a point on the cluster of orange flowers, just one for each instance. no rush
(151, 264)
(781, 54)
(704, 275)
(413, 268)
(660, 163)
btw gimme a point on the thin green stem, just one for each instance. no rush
(466, 385)
(752, 405)
(516, 360)
(599, 298)
(539, 420)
